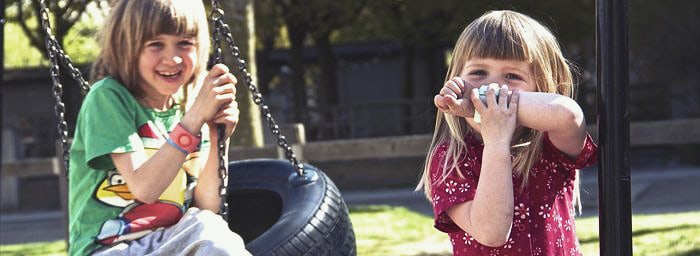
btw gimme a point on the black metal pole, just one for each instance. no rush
(2, 66)
(615, 216)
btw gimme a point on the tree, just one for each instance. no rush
(65, 14)
(424, 31)
(239, 14)
(327, 17)
(268, 25)
(297, 23)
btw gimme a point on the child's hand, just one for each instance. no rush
(215, 102)
(227, 115)
(498, 116)
(451, 99)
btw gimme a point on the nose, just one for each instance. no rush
(172, 57)
(500, 81)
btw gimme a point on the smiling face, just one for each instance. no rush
(516, 74)
(165, 64)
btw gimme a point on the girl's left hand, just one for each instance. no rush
(453, 98)
(498, 116)
(227, 115)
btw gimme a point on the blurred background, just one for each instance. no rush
(351, 83)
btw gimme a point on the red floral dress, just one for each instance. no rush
(543, 216)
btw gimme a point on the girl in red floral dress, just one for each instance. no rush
(503, 181)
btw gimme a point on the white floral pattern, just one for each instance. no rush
(450, 186)
(545, 211)
(551, 229)
(521, 211)
(464, 187)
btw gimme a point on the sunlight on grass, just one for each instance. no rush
(54, 248)
(660, 234)
(387, 230)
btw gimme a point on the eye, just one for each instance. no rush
(116, 179)
(155, 45)
(185, 43)
(478, 72)
(511, 76)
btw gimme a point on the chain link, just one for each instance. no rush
(222, 30)
(221, 27)
(55, 54)
(217, 14)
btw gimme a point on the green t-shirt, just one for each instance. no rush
(102, 210)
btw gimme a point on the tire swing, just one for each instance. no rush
(281, 208)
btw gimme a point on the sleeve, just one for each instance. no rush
(451, 189)
(108, 126)
(587, 157)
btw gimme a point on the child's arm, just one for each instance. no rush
(147, 178)
(558, 115)
(489, 217)
(206, 193)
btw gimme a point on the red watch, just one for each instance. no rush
(184, 138)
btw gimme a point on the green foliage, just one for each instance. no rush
(77, 32)
(81, 46)
(18, 52)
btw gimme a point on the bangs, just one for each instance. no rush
(499, 38)
(173, 19)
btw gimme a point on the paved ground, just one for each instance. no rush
(653, 191)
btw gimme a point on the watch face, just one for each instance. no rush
(184, 140)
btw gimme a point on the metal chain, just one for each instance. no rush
(217, 14)
(55, 53)
(225, 31)
(74, 72)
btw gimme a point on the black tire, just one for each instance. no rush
(275, 216)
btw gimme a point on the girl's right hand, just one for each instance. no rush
(498, 116)
(453, 98)
(218, 91)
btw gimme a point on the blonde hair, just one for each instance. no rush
(504, 35)
(131, 23)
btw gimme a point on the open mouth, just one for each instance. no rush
(169, 75)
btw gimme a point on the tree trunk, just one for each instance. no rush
(239, 16)
(328, 86)
(296, 38)
(407, 87)
(436, 68)
(263, 60)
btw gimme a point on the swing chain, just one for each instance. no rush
(221, 28)
(53, 51)
(217, 14)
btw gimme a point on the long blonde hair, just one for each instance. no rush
(504, 35)
(131, 23)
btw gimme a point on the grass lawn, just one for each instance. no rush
(385, 230)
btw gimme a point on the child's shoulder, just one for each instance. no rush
(107, 83)
(107, 87)
(106, 91)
